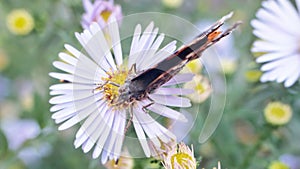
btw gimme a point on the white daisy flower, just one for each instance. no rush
(277, 27)
(90, 94)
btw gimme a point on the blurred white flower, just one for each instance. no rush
(228, 65)
(4, 87)
(277, 27)
(25, 91)
(100, 11)
(201, 87)
(91, 92)
(172, 3)
(19, 131)
(33, 154)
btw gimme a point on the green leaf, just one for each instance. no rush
(3, 144)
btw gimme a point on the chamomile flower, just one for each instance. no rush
(20, 22)
(181, 157)
(201, 85)
(276, 28)
(228, 65)
(99, 12)
(277, 113)
(91, 92)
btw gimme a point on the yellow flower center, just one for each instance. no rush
(253, 75)
(278, 165)
(105, 15)
(172, 3)
(194, 66)
(181, 159)
(200, 88)
(20, 22)
(277, 113)
(113, 82)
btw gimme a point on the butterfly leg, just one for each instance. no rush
(129, 120)
(148, 105)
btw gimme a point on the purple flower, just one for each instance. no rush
(99, 11)
(19, 131)
(290, 160)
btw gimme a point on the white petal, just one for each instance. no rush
(276, 63)
(76, 71)
(298, 6)
(78, 117)
(146, 49)
(141, 136)
(114, 132)
(101, 43)
(91, 129)
(121, 136)
(72, 86)
(290, 81)
(161, 54)
(103, 138)
(167, 112)
(263, 46)
(72, 78)
(61, 106)
(74, 96)
(270, 33)
(290, 11)
(152, 128)
(170, 100)
(150, 53)
(134, 44)
(180, 78)
(173, 91)
(89, 140)
(67, 58)
(286, 17)
(92, 122)
(144, 38)
(115, 36)
(83, 59)
(96, 46)
(59, 92)
(272, 56)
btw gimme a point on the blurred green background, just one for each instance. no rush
(241, 139)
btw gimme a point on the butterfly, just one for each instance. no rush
(139, 85)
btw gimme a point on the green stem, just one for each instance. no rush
(249, 156)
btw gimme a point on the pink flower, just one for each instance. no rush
(100, 11)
